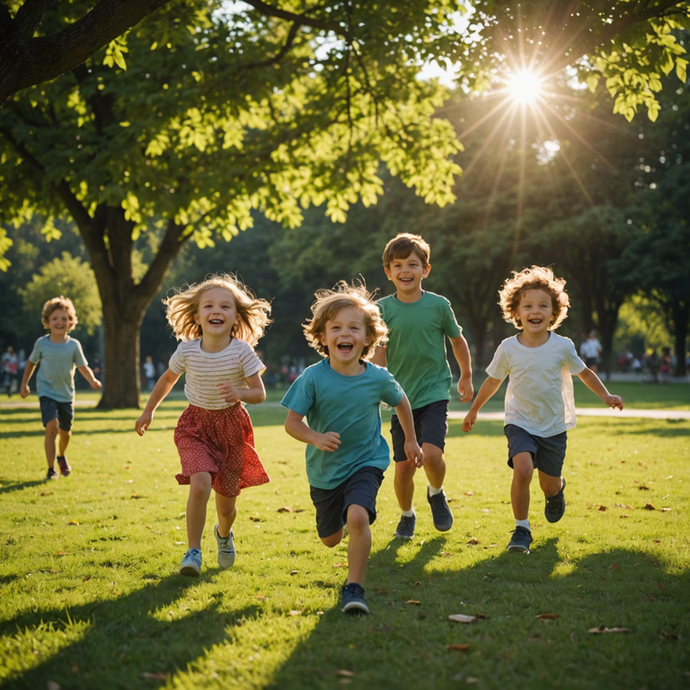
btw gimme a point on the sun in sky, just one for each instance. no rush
(524, 86)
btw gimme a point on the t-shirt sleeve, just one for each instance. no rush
(301, 395)
(392, 393)
(78, 355)
(177, 362)
(571, 361)
(250, 362)
(35, 356)
(499, 366)
(451, 327)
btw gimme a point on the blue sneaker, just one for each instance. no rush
(191, 563)
(352, 599)
(555, 505)
(440, 511)
(226, 549)
(405, 529)
(521, 540)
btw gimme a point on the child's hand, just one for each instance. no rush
(614, 401)
(24, 391)
(465, 389)
(468, 422)
(143, 423)
(328, 441)
(415, 455)
(228, 392)
(96, 384)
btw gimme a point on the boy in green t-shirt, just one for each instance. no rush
(418, 324)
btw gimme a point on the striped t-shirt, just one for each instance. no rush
(204, 370)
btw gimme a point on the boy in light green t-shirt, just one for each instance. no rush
(418, 323)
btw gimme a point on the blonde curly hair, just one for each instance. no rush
(183, 306)
(56, 303)
(534, 278)
(329, 303)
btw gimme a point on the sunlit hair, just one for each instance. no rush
(59, 303)
(534, 278)
(402, 245)
(183, 306)
(330, 302)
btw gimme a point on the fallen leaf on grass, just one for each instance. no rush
(339, 565)
(458, 647)
(154, 676)
(62, 553)
(659, 585)
(52, 685)
(603, 629)
(642, 487)
(614, 566)
(286, 509)
(668, 636)
(461, 618)
(625, 515)
(469, 493)
(547, 616)
(294, 572)
(72, 522)
(295, 613)
(649, 506)
(603, 508)
(413, 602)
(648, 598)
(473, 540)
(344, 673)
(86, 579)
(622, 505)
(259, 595)
(445, 553)
(254, 519)
(666, 510)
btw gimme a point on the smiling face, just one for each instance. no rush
(60, 323)
(216, 314)
(407, 274)
(346, 336)
(535, 312)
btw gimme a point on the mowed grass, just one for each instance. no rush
(91, 597)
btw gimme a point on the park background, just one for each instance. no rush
(287, 142)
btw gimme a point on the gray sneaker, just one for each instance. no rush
(405, 528)
(440, 511)
(191, 563)
(521, 540)
(226, 549)
(555, 506)
(352, 599)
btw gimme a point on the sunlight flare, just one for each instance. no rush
(524, 86)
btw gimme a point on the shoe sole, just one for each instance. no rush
(189, 571)
(409, 537)
(355, 608)
(518, 549)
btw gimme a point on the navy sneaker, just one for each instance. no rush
(191, 563)
(352, 599)
(440, 511)
(226, 549)
(52, 474)
(65, 469)
(521, 540)
(405, 528)
(555, 506)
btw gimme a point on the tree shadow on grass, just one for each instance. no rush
(125, 638)
(407, 640)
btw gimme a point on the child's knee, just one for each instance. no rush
(433, 455)
(52, 428)
(357, 519)
(333, 539)
(404, 470)
(523, 466)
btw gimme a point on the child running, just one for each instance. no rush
(58, 355)
(346, 453)
(539, 403)
(218, 323)
(418, 324)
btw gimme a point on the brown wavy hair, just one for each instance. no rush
(534, 278)
(60, 302)
(253, 312)
(329, 303)
(402, 245)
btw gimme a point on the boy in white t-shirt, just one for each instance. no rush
(539, 403)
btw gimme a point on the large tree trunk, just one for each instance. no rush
(121, 384)
(680, 313)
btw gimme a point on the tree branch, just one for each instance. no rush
(302, 19)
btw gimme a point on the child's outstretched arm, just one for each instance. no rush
(461, 351)
(414, 453)
(88, 374)
(254, 394)
(489, 387)
(594, 383)
(161, 389)
(295, 426)
(28, 371)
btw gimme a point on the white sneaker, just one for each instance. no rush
(226, 549)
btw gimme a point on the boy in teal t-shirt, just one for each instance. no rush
(58, 355)
(346, 453)
(418, 324)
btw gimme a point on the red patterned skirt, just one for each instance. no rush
(220, 442)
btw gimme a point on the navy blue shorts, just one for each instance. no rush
(331, 504)
(548, 454)
(62, 411)
(430, 426)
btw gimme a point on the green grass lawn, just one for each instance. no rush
(91, 597)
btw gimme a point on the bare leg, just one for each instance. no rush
(434, 465)
(359, 548)
(64, 438)
(404, 484)
(226, 507)
(52, 429)
(549, 485)
(523, 469)
(199, 492)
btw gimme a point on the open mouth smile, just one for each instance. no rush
(345, 347)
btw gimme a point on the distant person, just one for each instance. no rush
(149, 373)
(218, 323)
(9, 365)
(590, 351)
(58, 355)
(418, 324)
(539, 404)
(665, 365)
(346, 453)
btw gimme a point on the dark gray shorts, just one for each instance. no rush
(548, 454)
(430, 426)
(62, 411)
(331, 504)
